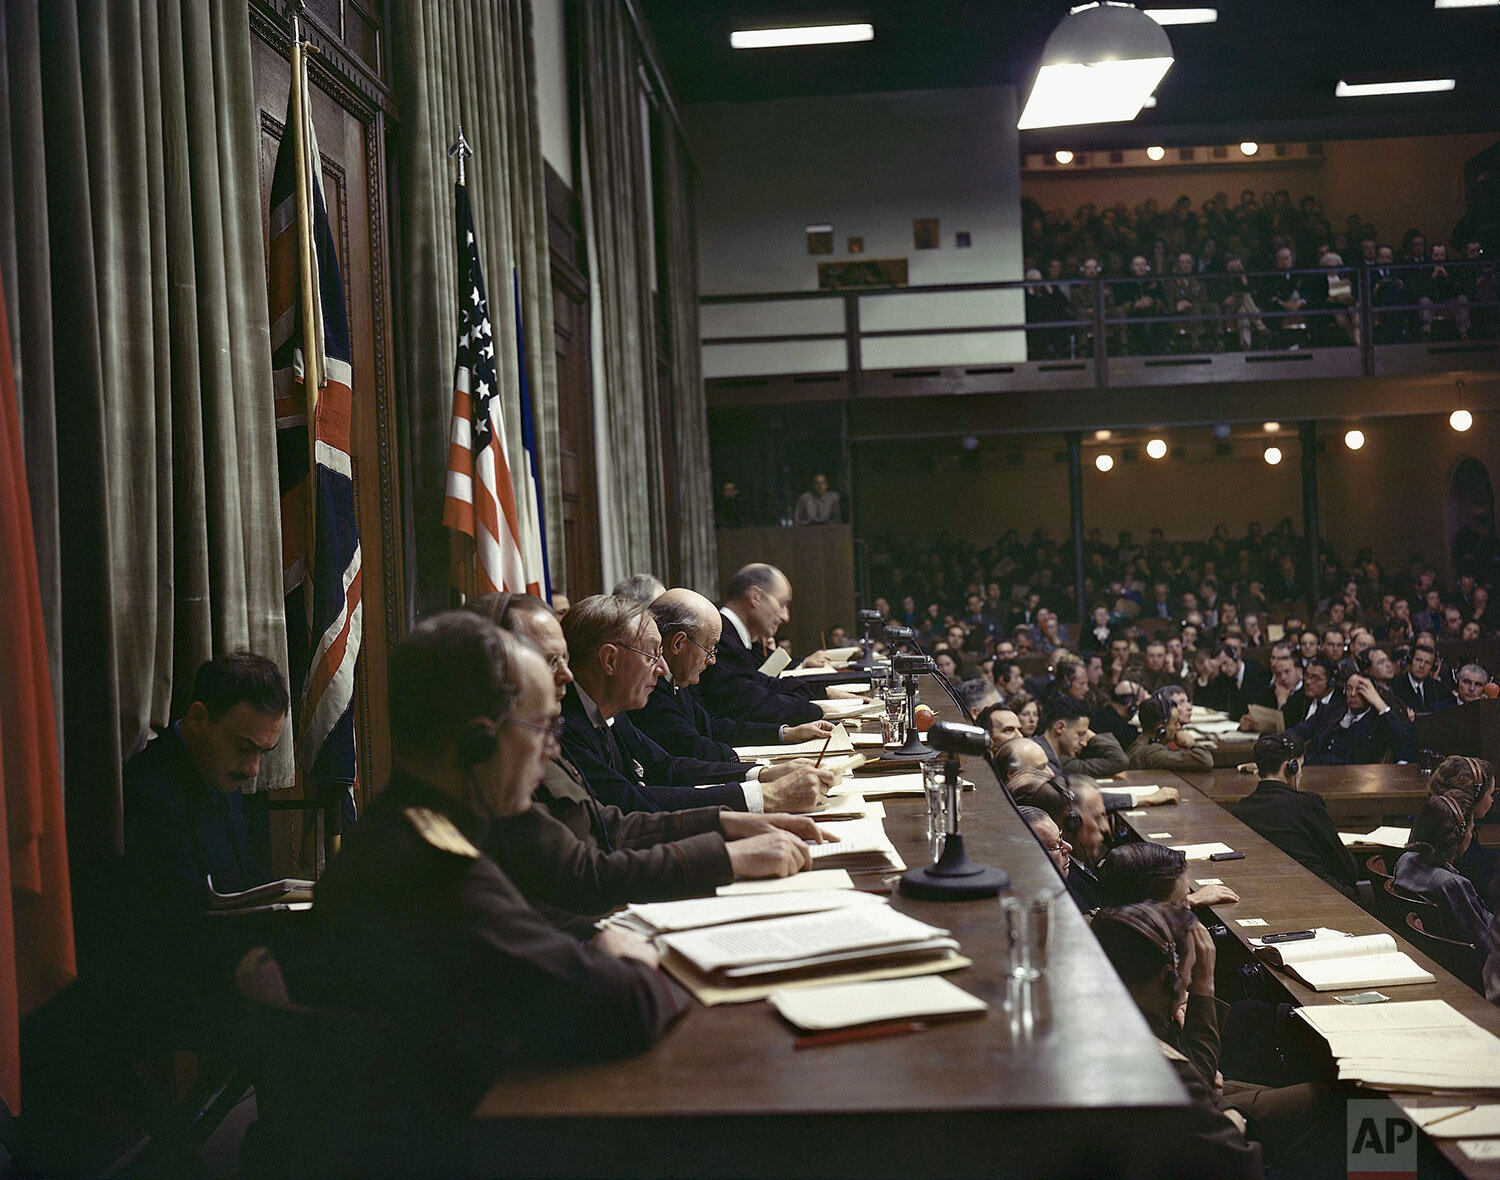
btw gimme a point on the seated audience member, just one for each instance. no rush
(756, 603)
(1143, 871)
(674, 718)
(1017, 754)
(1009, 679)
(1114, 716)
(1335, 644)
(614, 650)
(1165, 958)
(1156, 671)
(1471, 683)
(1440, 834)
(1438, 287)
(1027, 710)
(185, 825)
(1285, 692)
(1158, 747)
(642, 588)
(1051, 840)
(1297, 822)
(1071, 746)
(977, 695)
(1364, 727)
(417, 929)
(1472, 782)
(1097, 637)
(1077, 808)
(576, 858)
(818, 505)
(1236, 684)
(1139, 298)
(1318, 689)
(1417, 688)
(1071, 679)
(1002, 725)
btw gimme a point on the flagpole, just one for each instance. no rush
(466, 557)
(461, 150)
(311, 377)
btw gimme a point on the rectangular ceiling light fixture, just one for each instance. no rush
(802, 35)
(1415, 86)
(1466, 4)
(1103, 92)
(1189, 16)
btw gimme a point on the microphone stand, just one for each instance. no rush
(954, 877)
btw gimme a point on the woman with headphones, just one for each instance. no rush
(1157, 748)
(1439, 835)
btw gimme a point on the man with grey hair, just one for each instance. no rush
(674, 717)
(1471, 682)
(642, 588)
(977, 695)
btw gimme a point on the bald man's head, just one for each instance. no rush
(690, 628)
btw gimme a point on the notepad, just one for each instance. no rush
(1336, 964)
(846, 1005)
(775, 662)
(812, 879)
(837, 807)
(1201, 851)
(861, 846)
(839, 743)
(1382, 837)
(661, 917)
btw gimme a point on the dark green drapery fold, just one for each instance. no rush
(471, 61)
(138, 272)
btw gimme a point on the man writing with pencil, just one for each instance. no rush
(674, 717)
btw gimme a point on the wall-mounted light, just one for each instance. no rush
(1104, 462)
(1249, 147)
(1272, 455)
(1063, 157)
(1272, 427)
(1156, 153)
(1157, 448)
(1354, 439)
(1460, 420)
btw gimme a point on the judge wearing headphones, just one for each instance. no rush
(1296, 822)
(1157, 747)
(417, 931)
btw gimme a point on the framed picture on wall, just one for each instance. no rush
(864, 272)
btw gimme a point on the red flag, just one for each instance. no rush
(36, 918)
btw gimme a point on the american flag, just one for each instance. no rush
(481, 499)
(321, 574)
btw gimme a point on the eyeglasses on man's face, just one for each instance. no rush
(654, 657)
(552, 729)
(710, 654)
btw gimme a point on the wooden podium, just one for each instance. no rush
(818, 560)
(1472, 729)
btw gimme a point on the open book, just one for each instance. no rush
(1334, 963)
(845, 1005)
(288, 891)
(778, 946)
(861, 847)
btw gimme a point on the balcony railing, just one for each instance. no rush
(1094, 333)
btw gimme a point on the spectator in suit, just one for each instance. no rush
(1417, 688)
(818, 505)
(1438, 287)
(1318, 690)
(1097, 637)
(1140, 296)
(1058, 850)
(1186, 295)
(1295, 821)
(1388, 289)
(615, 652)
(674, 717)
(1114, 716)
(1363, 728)
(1237, 295)
(1471, 683)
(1237, 683)
(1440, 835)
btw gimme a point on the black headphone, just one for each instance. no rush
(1072, 818)
(499, 607)
(476, 743)
(1289, 744)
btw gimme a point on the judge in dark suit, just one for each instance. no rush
(1418, 689)
(1362, 728)
(1237, 684)
(614, 651)
(420, 935)
(184, 824)
(674, 718)
(1296, 822)
(757, 602)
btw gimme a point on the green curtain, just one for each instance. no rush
(470, 61)
(144, 365)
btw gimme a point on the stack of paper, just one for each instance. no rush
(838, 710)
(1423, 1045)
(1379, 838)
(1136, 793)
(664, 917)
(812, 879)
(289, 894)
(860, 845)
(1202, 851)
(847, 806)
(776, 662)
(1334, 961)
(886, 786)
(772, 947)
(845, 1005)
(837, 743)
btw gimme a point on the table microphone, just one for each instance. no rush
(909, 666)
(868, 620)
(955, 877)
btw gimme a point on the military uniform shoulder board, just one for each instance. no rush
(1169, 1052)
(441, 832)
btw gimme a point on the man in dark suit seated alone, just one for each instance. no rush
(185, 824)
(1363, 728)
(757, 601)
(614, 650)
(576, 858)
(1296, 822)
(674, 718)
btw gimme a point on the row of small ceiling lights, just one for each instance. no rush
(1156, 448)
(1156, 152)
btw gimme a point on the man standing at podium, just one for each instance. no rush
(819, 506)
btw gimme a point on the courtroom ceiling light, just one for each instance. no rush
(1156, 153)
(1460, 420)
(1063, 157)
(1347, 89)
(1354, 439)
(1187, 16)
(1249, 147)
(1104, 462)
(1466, 4)
(1157, 448)
(1103, 435)
(1272, 427)
(1099, 66)
(800, 35)
(1272, 455)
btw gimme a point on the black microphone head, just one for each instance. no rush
(954, 737)
(896, 633)
(868, 616)
(910, 664)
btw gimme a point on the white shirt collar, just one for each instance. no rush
(739, 625)
(1239, 679)
(590, 709)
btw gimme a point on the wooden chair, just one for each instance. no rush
(1392, 903)
(1462, 960)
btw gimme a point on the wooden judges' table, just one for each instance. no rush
(1352, 793)
(1271, 885)
(1061, 1080)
